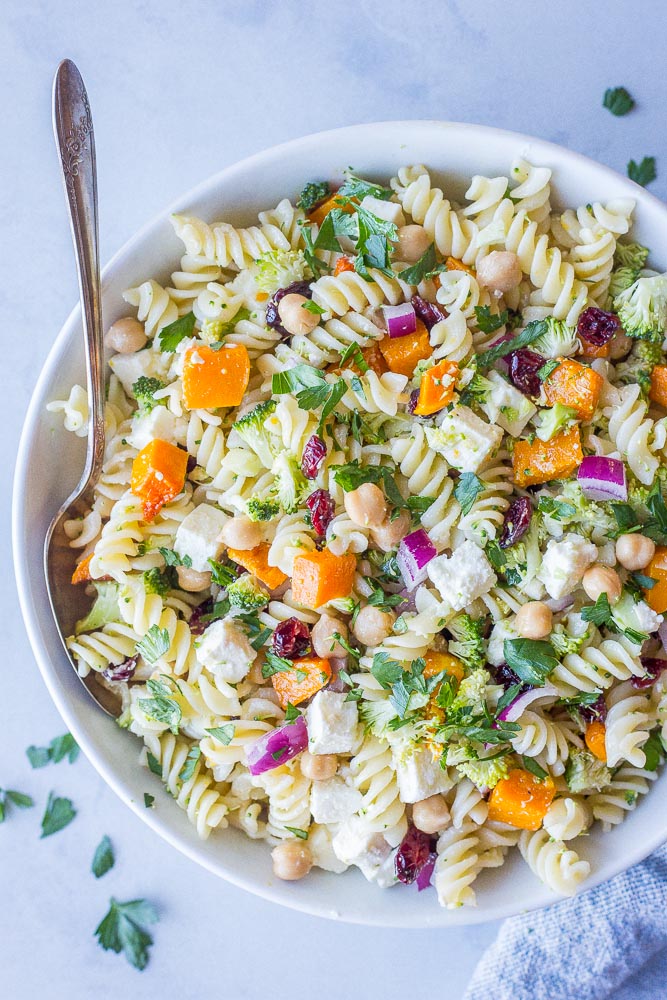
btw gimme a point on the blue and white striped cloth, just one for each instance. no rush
(608, 943)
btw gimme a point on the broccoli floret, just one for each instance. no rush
(564, 643)
(620, 279)
(468, 640)
(585, 773)
(477, 390)
(280, 268)
(261, 510)
(156, 581)
(637, 367)
(290, 483)
(554, 420)
(213, 330)
(247, 593)
(313, 193)
(472, 693)
(484, 773)
(144, 390)
(252, 427)
(642, 308)
(588, 515)
(104, 610)
(376, 715)
(559, 340)
(632, 255)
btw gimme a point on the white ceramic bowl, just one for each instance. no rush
(50, 460)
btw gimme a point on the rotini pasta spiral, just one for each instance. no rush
(559, 867)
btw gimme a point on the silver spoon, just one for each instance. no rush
(73, 127)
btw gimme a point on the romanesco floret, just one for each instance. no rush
(156, 581)
(261, 510)
(555, 419)
(376, 715)
(472, 693)
(290, 483)
(144, 390)
(642, 308)
(252, 427)
(104, 610)
(558, 341)
(247, 593)
(585, 773)
(280, 268)
(467, 640)
(637, 367)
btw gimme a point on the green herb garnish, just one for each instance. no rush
(121, 930)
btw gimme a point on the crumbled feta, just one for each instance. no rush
(643, 618)
(321, 850)
(333, 723)
(418, 773)
(464, 439)
(390, 211)
(506, 406)
(224, 649)
(198, 536)
(565, 563)
(495, 653)
(462, 577)
(334, 800)
(356, 844)
(129, 367)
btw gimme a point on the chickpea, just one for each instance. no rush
(372, 625)
(499, 271)
(292, 860)
(192, 580)
(126, 336)
(322, 637)
(431, 815)
(242, 533)
(602, 580)
(411, 244)
(294, 317)
(387, 536)
(619, 346)
(534, 620)
(366, 505)
(318, 766)
(634, 551)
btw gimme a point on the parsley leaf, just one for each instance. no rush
(276, 665)
(402, 683)
(383, 602)
(221, 573)
(487, 321)
(161, 707)
(353, 353)
(508, 697)
(532, 660)
(531, 765)
(467, 490)
(313, 193)
(58, 814)
(191, 762)
(426, 267)
(59, 748)
(600, 614)
(312, 307)
(148, 800)
(19, 799)
(291, 713)
(170, 336)
(310, 388)
(357, 187)
(654, 750)
(298, 832)
(121, 930)
(547, 368)
(172, 558)
(618, 101)
(643, 172)
(154, 644)
(532, 332)
(224, 734)
(317, 266)
(103, 859)
(557, 509)
(153, 764)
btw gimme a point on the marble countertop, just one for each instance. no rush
(177, 93)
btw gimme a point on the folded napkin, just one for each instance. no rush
(584, 948)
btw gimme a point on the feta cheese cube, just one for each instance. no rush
(418, 773)
(129, 367)
(225, 651)
(462, 577)
(390, 211)
(565, 563)
(158, 423)
(198, 536)
(356, 844)
(464, 439)
(322, 852)
(495, 653)
(506, 406)
(333, 723)
(334, 800)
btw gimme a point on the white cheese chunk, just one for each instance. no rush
(462, 577)
(495, 653)
(158, 423)
(129, 367)
(198, 536)
(464, 439)
(506, 406)
(565, 563)
(225, 651)
(390, 211)
(356, 844)
(419, 774)
(333, 723)
(321, 850)
(334, 800)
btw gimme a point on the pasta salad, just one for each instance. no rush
(379, 549)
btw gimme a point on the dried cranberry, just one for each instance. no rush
(597, 326)
(291, 639)
(123, 672)
(414, 399)
(506, 676)
(412, 855)
(597, 712)
(428, 312)
(516, 522)
(197, 625)
(321, 507)
(523, 368)
(192, 464)
(272, 316)
(313, 456)
(653, 667)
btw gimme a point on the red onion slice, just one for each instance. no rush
(277, 747)
(400, 320)
(602, 478)
(414, 553)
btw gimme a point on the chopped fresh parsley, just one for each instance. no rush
(221, 573)
(351, 476)
(154, 644)
(311, 389)
(557, 509)
(426, 267)
(172, 558)
(489, 322)
(618, 101)
(275, 665)
(532, 660)
(103, 859)
(157, 581)
(19, 799)
(357, 187)
(298, 832)
(643, 172)
(313, 193)
(547, 368)
(191, 761)
(600, 614)
(59, 748)
(528, 336)
(122, 930)
(161, 707)
(353, 353)
(170, 336)
(223, 734)
(403, 683)
(58, 814)
(153, 764)
(383, 602)
(148, 800)
(312, 307)
(291, 713)
(466, 491)
(654, 749)
(531, 765)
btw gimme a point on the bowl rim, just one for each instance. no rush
(540, 148)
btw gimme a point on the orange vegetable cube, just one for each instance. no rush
(436, 388)
(574, 385)
(158, 475)
(343, 264)
(656, 597)
(658, 391)
(256, 561)
(320, 576)
(373, 357)
(215, 378)
(81, 573)
(437, 662)
(402, 354)
(453, 264)
(596, 733)
(544, 460)
(521, 800)
(308, 676)
(595, 350)
(319, 213)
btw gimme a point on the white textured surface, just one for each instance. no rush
(177, 92)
